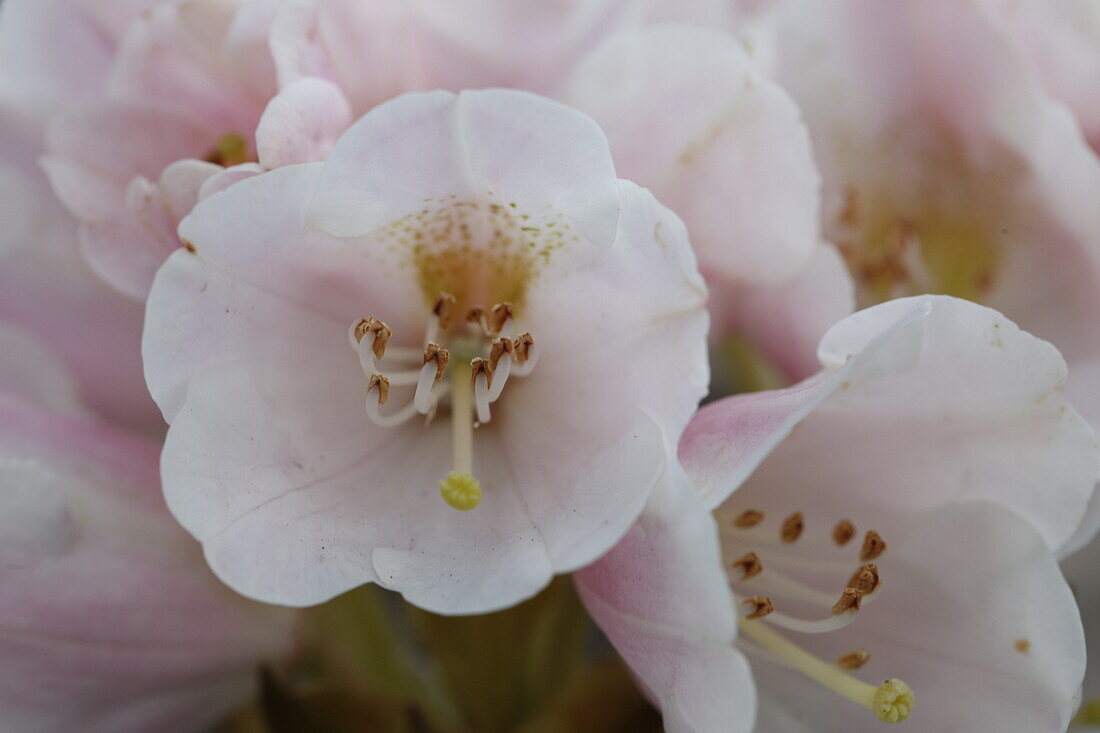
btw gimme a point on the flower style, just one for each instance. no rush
(946, 167)
(898, 514)
(529, 333)
(182, 99)
(111, 621)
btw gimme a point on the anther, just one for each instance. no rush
(444, 309)
(479, 366)
(499, 316)
(475, 317)
(843, 532)
(854, 659)
(761, 606)
(500, 347)
(873, 546)
(523, 345)
(893, 701)
(749, 565)
(434, 353)
(748, 518)
(850, 600)
(792, 528)
(865, 580)
(380, 383)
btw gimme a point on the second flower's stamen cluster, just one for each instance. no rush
(893, 700)
(473, 382)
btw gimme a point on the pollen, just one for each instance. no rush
(460, 490)
(760, 606)
(893, 701)
(792, 528)
(854, 659)
(749, 564)
(843, 532)
(873, 546)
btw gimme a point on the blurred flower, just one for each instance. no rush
(111, 621)
(479, 247)
(946, 167)
(927, 476)
(181, 99)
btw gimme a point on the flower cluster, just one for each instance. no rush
(775, 324)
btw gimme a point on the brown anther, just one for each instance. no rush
(792, 528)
(523, 345)
(873, 546)
(843, 532)
(749, 564)
(433, 352)
(498, 316)
(854, 660)
(476, 317)
(380, 331)
(748, 518)
(377, 381)
(499, 348)
(479, 366)
(865, 580)
(444, 309)
(850, 600)
(761, 606)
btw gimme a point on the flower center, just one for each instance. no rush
(761, 584)
(485, 358)
(231, 149)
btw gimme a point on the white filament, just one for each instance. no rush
(500, 376)
(374, 412)
(425, 380)
(481, 397)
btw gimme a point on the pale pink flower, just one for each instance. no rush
(182, 98)
(528, 331)
(897, 514)
(110, 620)
(946, 166)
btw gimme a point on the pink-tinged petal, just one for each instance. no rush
(787, 321)
(302, 123)
(662, 598)
(688, 118)
(48, 291)
(269, 438)
(970, 408)
(30, 371)
(437, 144)
(96, 150)
(227, 177)
(1062, 42)
(110, 621)
(974, 615)
(194, 55)
(727, 440)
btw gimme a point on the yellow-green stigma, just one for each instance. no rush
(460, 490)
(893, 701)
(231, 149)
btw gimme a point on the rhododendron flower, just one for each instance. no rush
(946, 167)
(527, 330)
(110, 619)
(895, 517)
(183, 97)
(686, 115)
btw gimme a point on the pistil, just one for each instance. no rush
(891, 702)
(460, 489)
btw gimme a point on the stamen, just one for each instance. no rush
(865, 580)
(500, 363)
(873, 546)
(422, 398)
(891, 702)
(481, 378)
(761, 606)
(500, 318)
(444, 309)
(382, 386)
(749, 565)
(850, 600)
(843, 532)
(748, 518)
(526, 355)
(460, 489)
(854, 659)
(475, 318)
(792, 528)
(819, 626)
(440, 357)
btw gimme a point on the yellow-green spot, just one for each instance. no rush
(893, 701)
(231, 149)
(460, 490)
